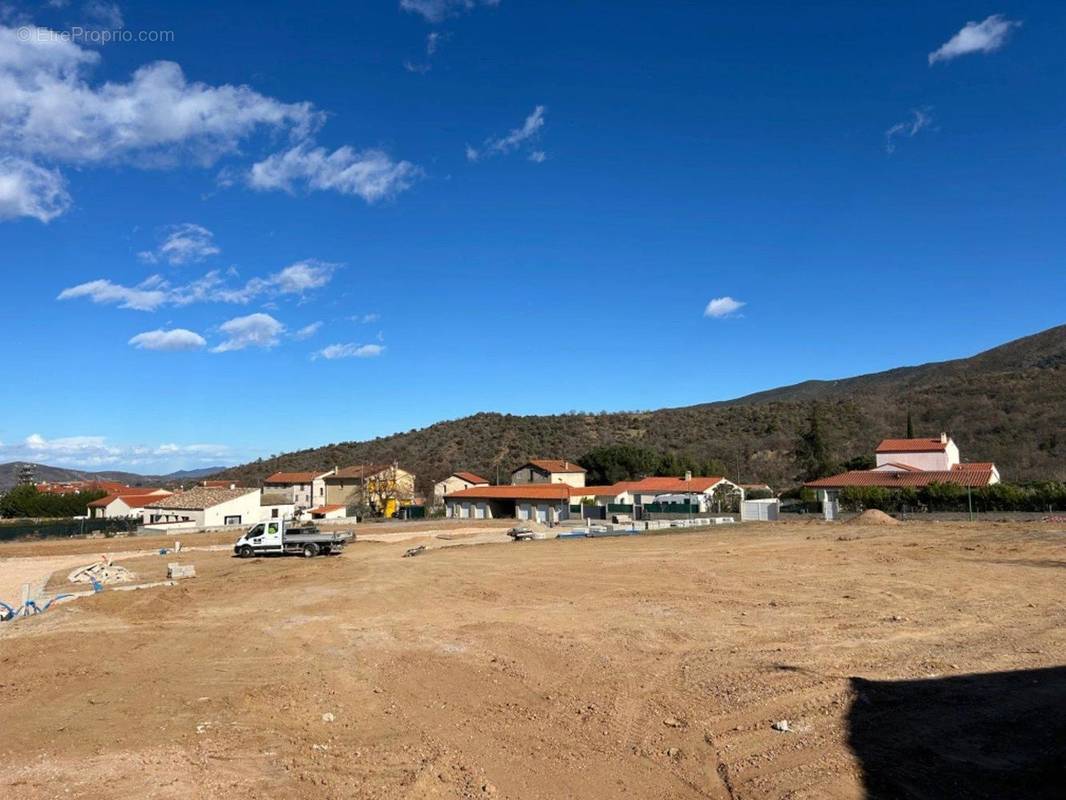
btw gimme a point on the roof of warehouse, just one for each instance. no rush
(524, 491)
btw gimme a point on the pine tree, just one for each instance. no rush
(910, 426)
(812, 452)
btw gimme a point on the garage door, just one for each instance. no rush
(479, 511)
(522, 511)
(542, 513)
(464, 511)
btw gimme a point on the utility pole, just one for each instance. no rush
(969, 500)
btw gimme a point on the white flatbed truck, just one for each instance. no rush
(289, 538)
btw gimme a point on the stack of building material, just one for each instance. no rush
(102, 572)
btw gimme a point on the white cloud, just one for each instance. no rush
(155, 291)
(186, 242)
(433, 40)
(155, 119)
(370, 174)
(437, 10)
(171, 340)
(96, 451)
(140, 298)
(366, 319)
(519, 137)
(254, 330)
(538, 156)
(921, 118)
(350, 350)
(307, 331)
(721, 307)
(27, 190)
(102, 15)
(976, 37)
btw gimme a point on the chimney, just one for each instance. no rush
(688, 475)
(943, 438)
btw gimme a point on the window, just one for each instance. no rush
(272, 529)
(234, 519)
(256, 531)
(274, 513)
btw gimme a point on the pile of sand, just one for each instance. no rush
(872, 516)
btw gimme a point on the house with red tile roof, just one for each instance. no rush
(909, 463)
(549, 470)
(456, 482)
(304, 489)
(123, 504)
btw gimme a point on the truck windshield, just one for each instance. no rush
(256, 531)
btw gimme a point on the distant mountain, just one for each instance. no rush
(9, 475)
(1006, 405)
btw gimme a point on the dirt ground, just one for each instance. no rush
(920, 660)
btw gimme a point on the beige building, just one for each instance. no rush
(546, 470)
(305, 489)
(382, 488)
(456, 482)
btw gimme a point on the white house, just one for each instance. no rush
(704, 492)
(201, 508)
(547, 470)
(306, 489)
(124, 504)
(545, 503)
(929, 455)
(456, 482)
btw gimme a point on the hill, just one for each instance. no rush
(1006, 405)
(44, 472)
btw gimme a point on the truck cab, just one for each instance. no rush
(266, 537)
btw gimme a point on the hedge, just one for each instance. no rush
(1043, 496)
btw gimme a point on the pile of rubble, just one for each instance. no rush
(102, 572)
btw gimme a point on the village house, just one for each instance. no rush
(545, 470)
(202, 507)
(910, 464)
(456, 482)
(381, 488)
(546, 503)
(125, 503)
(653, 495)
(304, 489)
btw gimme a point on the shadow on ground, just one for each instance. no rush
(995, 735)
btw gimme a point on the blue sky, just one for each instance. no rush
(295, 224)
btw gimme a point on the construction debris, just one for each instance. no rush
(101, 572)
(415, 551)
(180, 571)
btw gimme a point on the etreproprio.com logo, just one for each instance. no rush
(30, 33)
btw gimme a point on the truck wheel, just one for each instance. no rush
(310, 550)
(246, 552)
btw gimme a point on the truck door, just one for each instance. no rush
(272, 536)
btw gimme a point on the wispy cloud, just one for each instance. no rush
(27, 190)
(370, 174)
(155, 291)
(254, 330)
(97, 451)
(171, 340)
(350, 350)
(721, 307)
(986, 36)
(183, 244)
(307, 331)
(436, 11)
(921, 118)
(366, 319)
(522, 136)
(433, 42)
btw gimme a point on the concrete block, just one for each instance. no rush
(180, 571)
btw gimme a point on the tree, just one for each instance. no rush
(910, 426)
(812, 453)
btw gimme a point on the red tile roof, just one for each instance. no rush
(912, 446)
(469, 477)
(553, 465)
(361, 471)
(960, 475)
(524, 491)
(137, 500)
(667, 485)
(326, 509)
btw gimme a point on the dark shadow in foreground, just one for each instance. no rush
(995, 735)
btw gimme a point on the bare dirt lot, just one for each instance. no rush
(920, 660)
